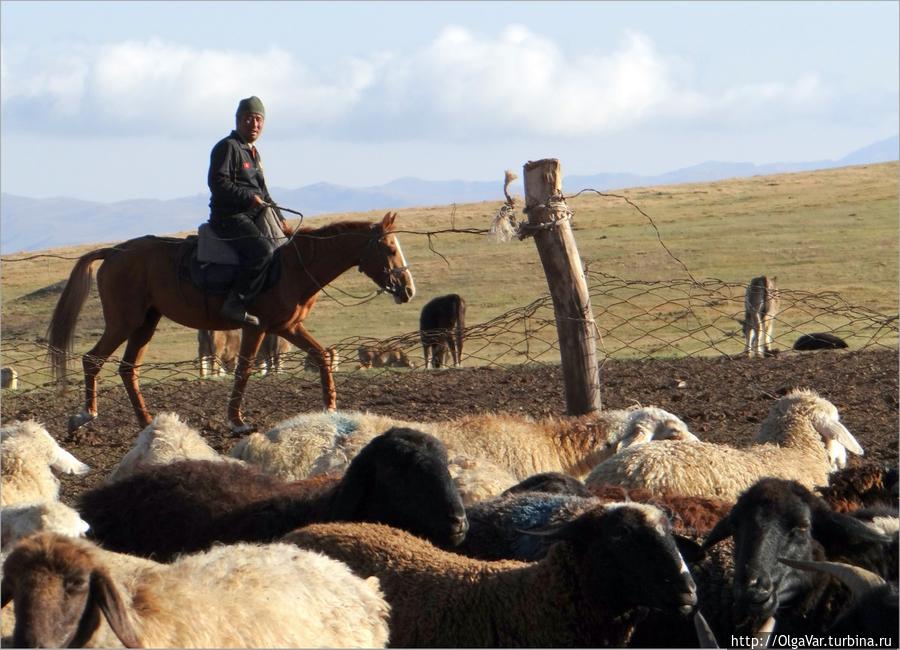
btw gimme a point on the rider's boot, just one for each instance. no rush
(234, 309)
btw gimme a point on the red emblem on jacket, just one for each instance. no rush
(246, 165)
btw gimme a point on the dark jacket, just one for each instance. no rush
(234, 178)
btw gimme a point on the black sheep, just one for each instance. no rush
(551, 482)
(819, 341)
(776, 519)
(400, 478)
(772, 519)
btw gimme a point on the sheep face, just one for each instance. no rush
(401, 479)
(45, 445)
(761, 583)
(777, 519)
(59, 593)
(629, 556)
(651, 423)
(821, 414)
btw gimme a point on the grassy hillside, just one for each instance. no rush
(834, 230)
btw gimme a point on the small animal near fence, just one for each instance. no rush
(441, 326)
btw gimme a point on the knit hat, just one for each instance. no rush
(251, 105)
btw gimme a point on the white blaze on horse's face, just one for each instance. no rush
(384, 262)
(399, 270)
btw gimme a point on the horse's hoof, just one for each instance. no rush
(78, 421)
(240, 429)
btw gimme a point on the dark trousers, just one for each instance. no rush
(254, 250)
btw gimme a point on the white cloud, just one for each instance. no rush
(462, 84)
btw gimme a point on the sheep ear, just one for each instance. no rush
(67, 463)
(690, 550)
(840, 530)
(640, 435)
(545, 531)
(858, 580)
(720, 531)
(831, 429)
(354, 486)
(704, 633)
(107, 598)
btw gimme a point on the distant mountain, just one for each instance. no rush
(28, 224)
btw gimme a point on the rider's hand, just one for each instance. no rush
(258, 200)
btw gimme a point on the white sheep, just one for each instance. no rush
(790, 444)
(477, 479)
(20, 521)
(166, 439)
(310, 444)
(290, 449)
(642, 425)
(313, 444)
(70, 592)
(27, 454)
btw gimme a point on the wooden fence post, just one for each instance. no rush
(549, 223)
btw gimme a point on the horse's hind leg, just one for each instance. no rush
(131, 361)
(92, 362)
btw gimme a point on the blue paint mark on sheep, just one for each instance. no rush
(344, 426)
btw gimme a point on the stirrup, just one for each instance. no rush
(239, 314)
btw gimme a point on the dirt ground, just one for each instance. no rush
(723, 399)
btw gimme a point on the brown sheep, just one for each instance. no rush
(591, 590)
(376, 357)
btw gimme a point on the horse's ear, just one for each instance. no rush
(387, 222)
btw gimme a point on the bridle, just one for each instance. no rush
(395, 274)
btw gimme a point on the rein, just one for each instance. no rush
(374, 238)
(284, 209)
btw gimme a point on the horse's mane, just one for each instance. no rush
(332, 229)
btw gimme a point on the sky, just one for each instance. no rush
(107, 101)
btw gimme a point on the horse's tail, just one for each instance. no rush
(65, 314)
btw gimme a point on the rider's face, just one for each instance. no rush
(250, 126)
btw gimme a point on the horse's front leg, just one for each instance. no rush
(251, 339)
(298, 335)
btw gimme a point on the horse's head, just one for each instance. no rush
(383, 261)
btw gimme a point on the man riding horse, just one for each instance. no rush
(147, 278)
(237, 194)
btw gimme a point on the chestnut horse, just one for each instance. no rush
(139, 282)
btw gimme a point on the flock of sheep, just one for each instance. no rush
(350, 529)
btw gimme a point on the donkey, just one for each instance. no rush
(761, 305)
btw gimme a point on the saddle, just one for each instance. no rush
(212, 265)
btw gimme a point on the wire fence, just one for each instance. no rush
(635, 319)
